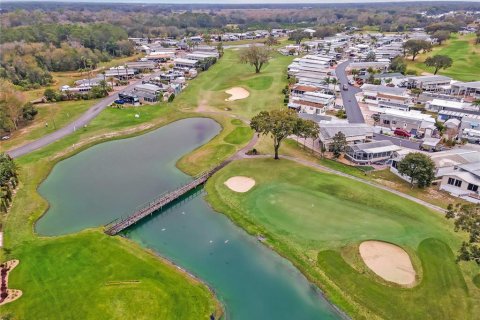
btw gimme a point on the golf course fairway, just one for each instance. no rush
(317, 220)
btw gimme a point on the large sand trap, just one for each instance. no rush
(240, 184)
(388, 261)
(237, 93)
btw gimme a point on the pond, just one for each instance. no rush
(109, 180)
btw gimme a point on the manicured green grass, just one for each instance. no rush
(464, 53)
(265, 88)
(442, 294)
(239, 135)
(260, 83)
(80, 277)
(303, 212)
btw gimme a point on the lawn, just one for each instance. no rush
(312, 218)
(464, 53)
(93, 276)
(383, 177)
(56, 115)
(265, 88)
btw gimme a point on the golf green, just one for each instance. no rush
(304, 213)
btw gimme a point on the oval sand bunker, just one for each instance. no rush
(240, 184)
(237, 93)
(388, 261)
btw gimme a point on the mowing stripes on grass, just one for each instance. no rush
(260, 82)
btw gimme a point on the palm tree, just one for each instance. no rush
(355, 72)
(334, 81)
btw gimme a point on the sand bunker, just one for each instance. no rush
(240, 184)
(237, 93)
(388, 261)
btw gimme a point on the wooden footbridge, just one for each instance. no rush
(159, 202)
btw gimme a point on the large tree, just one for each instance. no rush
(256, 56)
(398, 65)
(439, 62)
(297, 36)
(413, 47)
(339, 144)
(441, 35)
(279, 124)
(418, 167)
(467, 218)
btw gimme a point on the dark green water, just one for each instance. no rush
(99, 184)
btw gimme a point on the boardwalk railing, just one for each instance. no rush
(159, 202)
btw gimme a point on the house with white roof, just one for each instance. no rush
(354, 133)
(429, 83)
(387, 97)
(466, 89)
(371, 152)
(312, 102)
(412, 121)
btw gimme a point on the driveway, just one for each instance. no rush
(354, 114)
(83, 120)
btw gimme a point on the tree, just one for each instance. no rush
(439, 62)
(50, 94)
(418, 167)
(398, 64)
(339, 143)
(467, 218)
(325, 31)
(256, 56)
(355, 72)
(370, 57)
(441, 36)
(334, 81)
(220, 49)
(279, 124)
(271, 41)
(297, 36)
(413, 47)
(306, 129)
(8, 180)
(11, 105)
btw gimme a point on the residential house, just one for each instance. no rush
(354, 133)
(371, 152)
(414, 122)
(466, 89)
(429, 83)
(387, 97)
(312, 102)
(185, 63)
(462, 181)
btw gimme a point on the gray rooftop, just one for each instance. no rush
(430, 78)
(328, 130)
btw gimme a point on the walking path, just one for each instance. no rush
(242, 155)
(83, 120)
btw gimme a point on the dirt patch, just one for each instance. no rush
(237, 93)
(388, 261)
(240, 184)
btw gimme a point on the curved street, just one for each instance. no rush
(354, 114)
(81, 121)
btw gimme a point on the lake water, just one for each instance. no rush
(109, 180)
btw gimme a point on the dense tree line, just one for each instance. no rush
(30, 52)
(13, 109)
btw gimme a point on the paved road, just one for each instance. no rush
(84, 119)
(354, 114)
(398, 141)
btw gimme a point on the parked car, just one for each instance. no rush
(5, 137)
(345, 87)
(351, 82)
(120, 101)
(402, 133)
